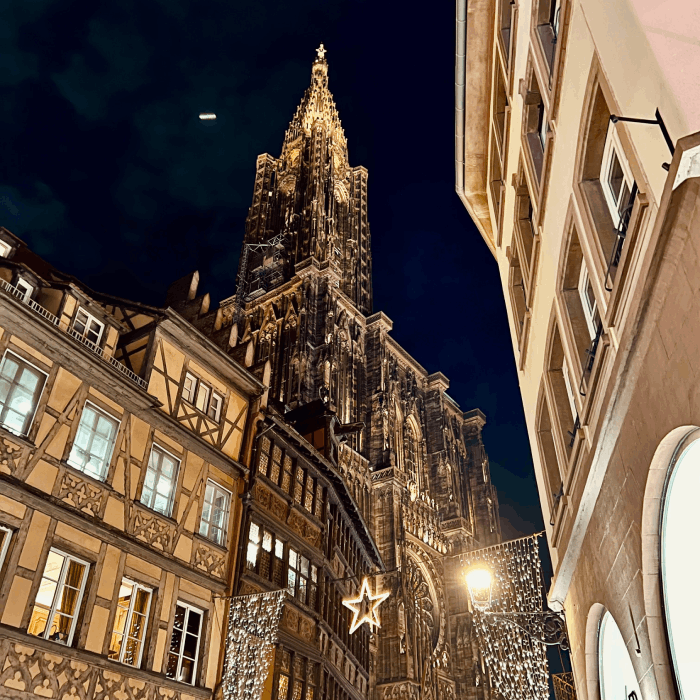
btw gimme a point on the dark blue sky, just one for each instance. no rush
(108, 173)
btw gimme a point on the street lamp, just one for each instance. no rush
(546, 626)
(479, 583)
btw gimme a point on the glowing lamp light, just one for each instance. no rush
(364, 607)
(207, 116)
(479, 582)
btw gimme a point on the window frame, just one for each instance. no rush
(57, 594)
(27, 291)
(613, 146)
(224, 530)
(127, 623)
(589, 312)
(193, 396)
(176, 474)
(189, 608)
(5, 249)
(109, 416)
(29, 418)
(90, 317)
(4, 548)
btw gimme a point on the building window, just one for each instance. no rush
(94, 442)
(287, 472)
(412, 458)
(309, 493)
(616, 176)
(217, 501)
(184, 643)
(253, 546)
(5, 249)
(617, 676)
(21, 385)
(562, 392)
(5, 537)
(160, 481)
(588, 302)
(58, 599)
(87, 326)
(25, 289)
(535, 126)
(548, 23)
(133, 606)
(318, 505)
(202, 396)
(679, 573)
(299, 485)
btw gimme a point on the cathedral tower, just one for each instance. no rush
(413, 463)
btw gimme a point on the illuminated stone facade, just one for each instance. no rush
(402, 469)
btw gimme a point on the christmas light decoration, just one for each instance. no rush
(511, 628)
(365, 606)
(252, 633)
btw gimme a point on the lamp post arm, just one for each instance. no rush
(551, 629)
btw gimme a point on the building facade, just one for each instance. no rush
(577, 157)
(399, 475)
(122, 440)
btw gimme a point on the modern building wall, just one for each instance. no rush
(593, 226)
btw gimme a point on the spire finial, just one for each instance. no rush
(321, 51)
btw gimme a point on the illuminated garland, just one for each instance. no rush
(252, 633)
(517, 664)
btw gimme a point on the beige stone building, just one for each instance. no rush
(593, 221)
(122, 458)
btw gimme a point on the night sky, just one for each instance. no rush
(108, 173)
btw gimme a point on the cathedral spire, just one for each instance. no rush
(317, 108)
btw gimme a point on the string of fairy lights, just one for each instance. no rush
(517, 662)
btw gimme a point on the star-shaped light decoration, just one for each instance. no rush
(364, 607)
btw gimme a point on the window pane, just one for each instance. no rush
(160, 481)
(615, 176)
(202, 397)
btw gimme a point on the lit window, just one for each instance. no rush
(588, 302)
(160, 481)
(287, 473)
(217, 501)
(5, 536)
(58, 599)
(25, 289)
(5, 249)
(615, 176)
(253, 546)
(309, 494)
(184, 644)
(20, 387)
(189, 387)
(617, 677)
(94, 442)
(299, 485)
(87, 326)
(130, 623)
(680, 572)
(292, 571)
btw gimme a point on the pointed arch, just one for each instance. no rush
(413, 453)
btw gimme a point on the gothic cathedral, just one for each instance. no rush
(414, 471)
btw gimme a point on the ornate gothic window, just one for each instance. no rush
(412, 457)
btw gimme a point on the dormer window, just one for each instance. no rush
(25, 289)
(87, 326)
(5, 249)
(200, 395)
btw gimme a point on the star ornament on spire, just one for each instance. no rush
(364, 607)
(321, 51)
